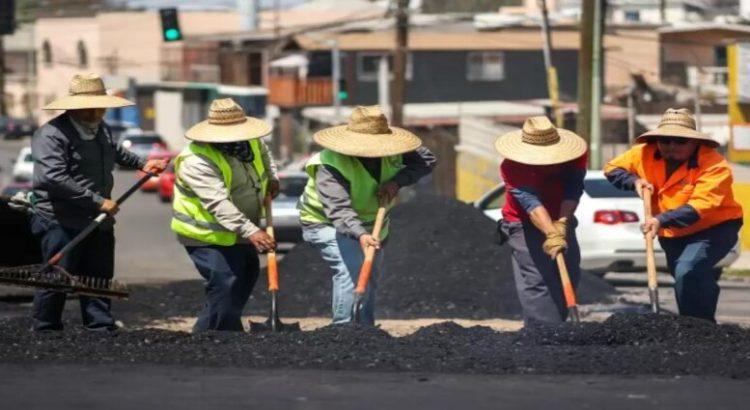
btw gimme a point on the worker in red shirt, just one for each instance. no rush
(695, 216)
(543, 171)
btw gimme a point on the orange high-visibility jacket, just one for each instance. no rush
(707, 187)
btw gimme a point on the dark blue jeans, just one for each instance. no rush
(230, 273)
(691, 260)
(536, 275)
(94, 257)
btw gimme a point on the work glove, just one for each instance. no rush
(562, 226)
(554, 244)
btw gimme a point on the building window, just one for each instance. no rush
(633, 15)
(720, 56)
(47, 53)
(485, 66)
(83, 55)
(369, 63)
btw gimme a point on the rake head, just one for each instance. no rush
(57, 279)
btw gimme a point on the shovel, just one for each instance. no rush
(273, 323)
(366, 271)
(653, 285)
(568, 292)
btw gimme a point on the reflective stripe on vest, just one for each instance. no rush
(362, 187)
(190, 218)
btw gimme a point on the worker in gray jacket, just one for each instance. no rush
(74, 156)
(222, 179)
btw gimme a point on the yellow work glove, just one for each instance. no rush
(562, 226)
(554, 244)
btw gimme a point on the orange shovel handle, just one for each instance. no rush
(273, 269)
(650, 259)
(366, 271)
(568, 292)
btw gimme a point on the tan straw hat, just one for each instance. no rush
(87, 91)
(227, 122)
(367, 135)
(677, 123)
(540, 143)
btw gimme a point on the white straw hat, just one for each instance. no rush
(677, 123)
(227, 122)
(540, 143)
(86, 91)
(367, 135)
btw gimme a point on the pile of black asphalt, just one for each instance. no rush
(621, 345)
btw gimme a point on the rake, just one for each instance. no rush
(52, 277)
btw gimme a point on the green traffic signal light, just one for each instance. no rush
(172, 34)
(343, 95)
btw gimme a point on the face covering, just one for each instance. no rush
(240, 150)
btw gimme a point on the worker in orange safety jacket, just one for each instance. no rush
(695, 216)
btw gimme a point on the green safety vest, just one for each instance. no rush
(362, 186)
(189, 217)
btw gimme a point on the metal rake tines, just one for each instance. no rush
(56, 278)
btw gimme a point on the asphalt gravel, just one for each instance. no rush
(622, 345)
(442, 260)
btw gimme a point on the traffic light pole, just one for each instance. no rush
(336, 77)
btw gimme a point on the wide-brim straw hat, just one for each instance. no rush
(677, 123)
(540, 143)
(227, 122)
(86, 91)
(367, 135)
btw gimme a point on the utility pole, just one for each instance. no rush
(595, 159)
(398, 93)
(552, 84)
(3, 108)
(583, 120)
(336, 78)
(663, 11)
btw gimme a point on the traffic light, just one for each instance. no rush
(170, 25)
(343, 91)
(7, 16)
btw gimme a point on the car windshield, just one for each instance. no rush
(292, 186)
(145, 139)
(601, 188)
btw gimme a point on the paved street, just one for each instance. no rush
(185, 388)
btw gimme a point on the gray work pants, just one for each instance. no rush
(537, 278)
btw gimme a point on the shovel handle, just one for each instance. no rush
(54, 260)
(650, 258)
(273, 268)
(568, 292)
(366, 271)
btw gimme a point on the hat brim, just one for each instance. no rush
(252, 128)
(344, 141)
(83, 102)
(569, 147)
(675, 131)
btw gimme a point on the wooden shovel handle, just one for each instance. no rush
(273, 269)
(650, 258)
(366, 271)
(568, 292)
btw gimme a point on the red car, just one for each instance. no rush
(152, 185)
(166, 184)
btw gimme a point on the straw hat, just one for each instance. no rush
(367, 135)
(87, 91)
(227, 122)
(677, 123)
(540, 143)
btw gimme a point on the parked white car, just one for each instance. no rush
(23, 166)
(608, 227)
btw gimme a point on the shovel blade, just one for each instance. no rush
(274, 325)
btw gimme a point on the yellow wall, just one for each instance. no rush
(475, 175)
(742, 195)
(738, 113)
